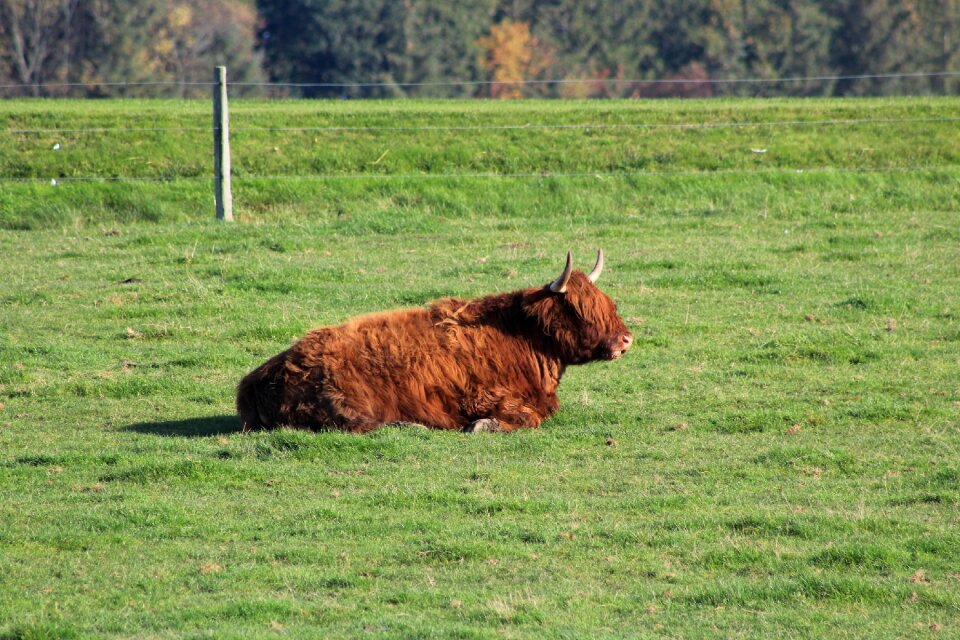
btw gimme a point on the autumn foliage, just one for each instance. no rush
(385, 48)
(511, 55)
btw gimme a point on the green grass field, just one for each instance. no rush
(778, 456)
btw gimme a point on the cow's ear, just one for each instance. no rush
(560, 284)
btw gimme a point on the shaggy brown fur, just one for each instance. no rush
(445, 366)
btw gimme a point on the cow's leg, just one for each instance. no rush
(504, 410)
(485, 425)
(501, 423)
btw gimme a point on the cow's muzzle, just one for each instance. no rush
(619, 345)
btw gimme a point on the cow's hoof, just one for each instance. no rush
(484, 425)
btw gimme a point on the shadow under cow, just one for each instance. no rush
(190, 427)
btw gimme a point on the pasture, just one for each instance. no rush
(777, 456)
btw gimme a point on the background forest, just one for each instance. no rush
(616, 46)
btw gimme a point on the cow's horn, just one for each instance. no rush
(598, 268)
(560, 284)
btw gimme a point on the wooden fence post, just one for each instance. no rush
(221, 146)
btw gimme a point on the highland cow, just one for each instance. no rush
(489, 364)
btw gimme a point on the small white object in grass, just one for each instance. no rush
(759, 150)
(53, 182)
(56, 147)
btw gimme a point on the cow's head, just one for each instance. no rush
(580, 319)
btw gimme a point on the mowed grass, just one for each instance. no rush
(778, 456)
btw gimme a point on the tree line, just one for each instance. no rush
(480, 48)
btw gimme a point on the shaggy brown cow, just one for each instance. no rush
(489, 364)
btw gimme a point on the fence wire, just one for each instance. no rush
(601, 175)
(607, 81)
(471, 83)
(508, 127)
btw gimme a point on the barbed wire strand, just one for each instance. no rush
(67, 179)
(111, 130)
(612, 125)
(454, 83)
(488, 175)
(610, 174)
(65, 85)
(530, 127)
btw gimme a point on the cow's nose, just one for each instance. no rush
(627, 340)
